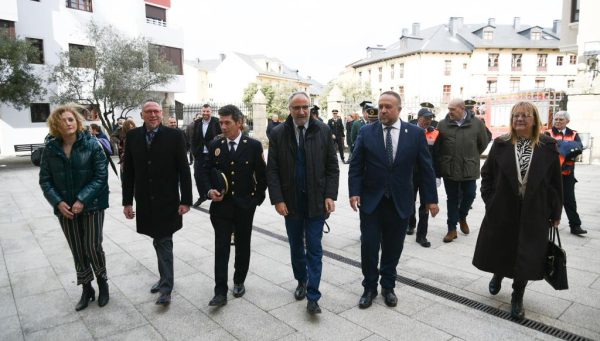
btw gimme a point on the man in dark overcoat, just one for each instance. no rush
(237, 159)
(205, 130)
(156, 172)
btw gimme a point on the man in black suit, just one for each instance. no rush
(337, 132)
(205, 130)
(238, 159)
(156, 172)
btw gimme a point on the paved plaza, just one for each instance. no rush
(38, 292)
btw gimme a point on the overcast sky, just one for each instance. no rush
(321, 37)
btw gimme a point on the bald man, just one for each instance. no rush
(457, 149)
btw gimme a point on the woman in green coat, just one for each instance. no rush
(74, 179)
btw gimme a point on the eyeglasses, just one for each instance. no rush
(523, 116)
(152, 111)
(299, 107)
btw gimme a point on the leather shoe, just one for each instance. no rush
(516, 306)
(577, 230)
(464, 227)
(300, 292)
(239, 290)
(199, 202)
(155, 288)
(313, 307)
(389, 297)
(450, 236)
(367, 299)
(410, 231)
(218, 301)
(164, 299)
(423, 241)
(495, 284)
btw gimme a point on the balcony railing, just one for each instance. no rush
(541, 68)
(157, 22)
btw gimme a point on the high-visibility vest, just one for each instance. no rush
(431, 136)
(567, 165)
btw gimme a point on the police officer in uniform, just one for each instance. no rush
(357, 124)
(237, 183)
(429, 107)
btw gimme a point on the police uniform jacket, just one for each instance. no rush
(245, 172)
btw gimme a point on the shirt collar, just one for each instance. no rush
(396, 125)
(237, 139)
(296, 126)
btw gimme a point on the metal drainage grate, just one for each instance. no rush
(505, 315)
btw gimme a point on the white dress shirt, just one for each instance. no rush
(395, 132)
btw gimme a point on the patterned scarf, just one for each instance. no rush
(524, 152)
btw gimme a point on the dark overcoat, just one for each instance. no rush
(513, 238)
(156, 175)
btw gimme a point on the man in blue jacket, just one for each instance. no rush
(380, 185)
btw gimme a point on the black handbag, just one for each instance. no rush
(556, 262)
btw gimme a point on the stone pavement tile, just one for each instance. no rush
(438, 272)
(52, 242)
(139, 249)
(145, 333)
(334, 298)
(584, 316)
(274, 250)
(7, 303)
(180, 267)
(10, 328)
(188, 251)
(69, 331)
(219, 334)
(487, 299)
(136, 285)
(45, 310)
(118, 264)
(198, 289)
(575, 329)
(206, 265)
(61, 261)
(198, 237)
(375, 337)
(270, 269)
(4, 281)
(472, 325)
(297, 336)
(595, 285)
(578, 294)
(28, 260)
(325, 326)
(337, 275)
(34, 281)
(393, 325)
(265, 294)
(124, 235)
(338, 242)
(22, 243)
(178, 321)
(117, 316)
(245, 321)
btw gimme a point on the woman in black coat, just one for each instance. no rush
(521, 187)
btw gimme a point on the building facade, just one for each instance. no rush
(55, 26)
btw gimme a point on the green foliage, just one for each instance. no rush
(116, 75)
(19, 85)
(276, 95)
(354, 93)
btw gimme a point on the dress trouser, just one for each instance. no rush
(383, 227)
(569, 200)
(240, 223)
(84, 235)
(164, 254)
(200, 173)
(423, 211)
(340, 144)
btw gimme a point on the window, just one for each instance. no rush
(559, 60)
(369, 75)
(81, 56)
(573, 59)
(464, 66)
(446, 93)
(493, 61)
(515, 84)
(574, 10)
(540, 83)
(39, 112)
(516, 62)
(37, 55)
(380, 75)
(392, 71)
(492, 85)
(174, 56)
(401, 90)
(401, 70)
(7, 27)
(447, 67)
(570, 83)
(542, 59)
(83, 5)
(488, 33)
(536, 35)
(360, 75)
(156, 15)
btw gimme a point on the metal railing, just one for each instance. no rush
(156, 22)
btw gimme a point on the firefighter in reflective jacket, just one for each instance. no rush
(569, 145)
(424, 119)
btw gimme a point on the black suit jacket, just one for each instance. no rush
(200, 140)
(245, 172)
(156, 175)
(336, 127)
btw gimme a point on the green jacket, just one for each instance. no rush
(356, 125)
(83, 176)
(457, 149)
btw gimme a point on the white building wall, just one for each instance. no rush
(9, 10)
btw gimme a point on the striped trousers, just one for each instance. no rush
(84, 235)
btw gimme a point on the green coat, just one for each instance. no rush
(83, 176)
(457, 149)
(356, 125)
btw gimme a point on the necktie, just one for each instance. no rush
(232, 147)
(389, 149)
(150, 136)
(301, 137)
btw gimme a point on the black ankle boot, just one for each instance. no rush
(87, 295)
(495, 284)
(516, 303)
(102, 292)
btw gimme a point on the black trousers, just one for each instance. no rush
(239, 221)
(423, 212)
(569, 200)
(84, 235)
(200, 174)
(164, 254)
(340, 144)
(384, 228)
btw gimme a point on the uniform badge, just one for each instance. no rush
(217, 151)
